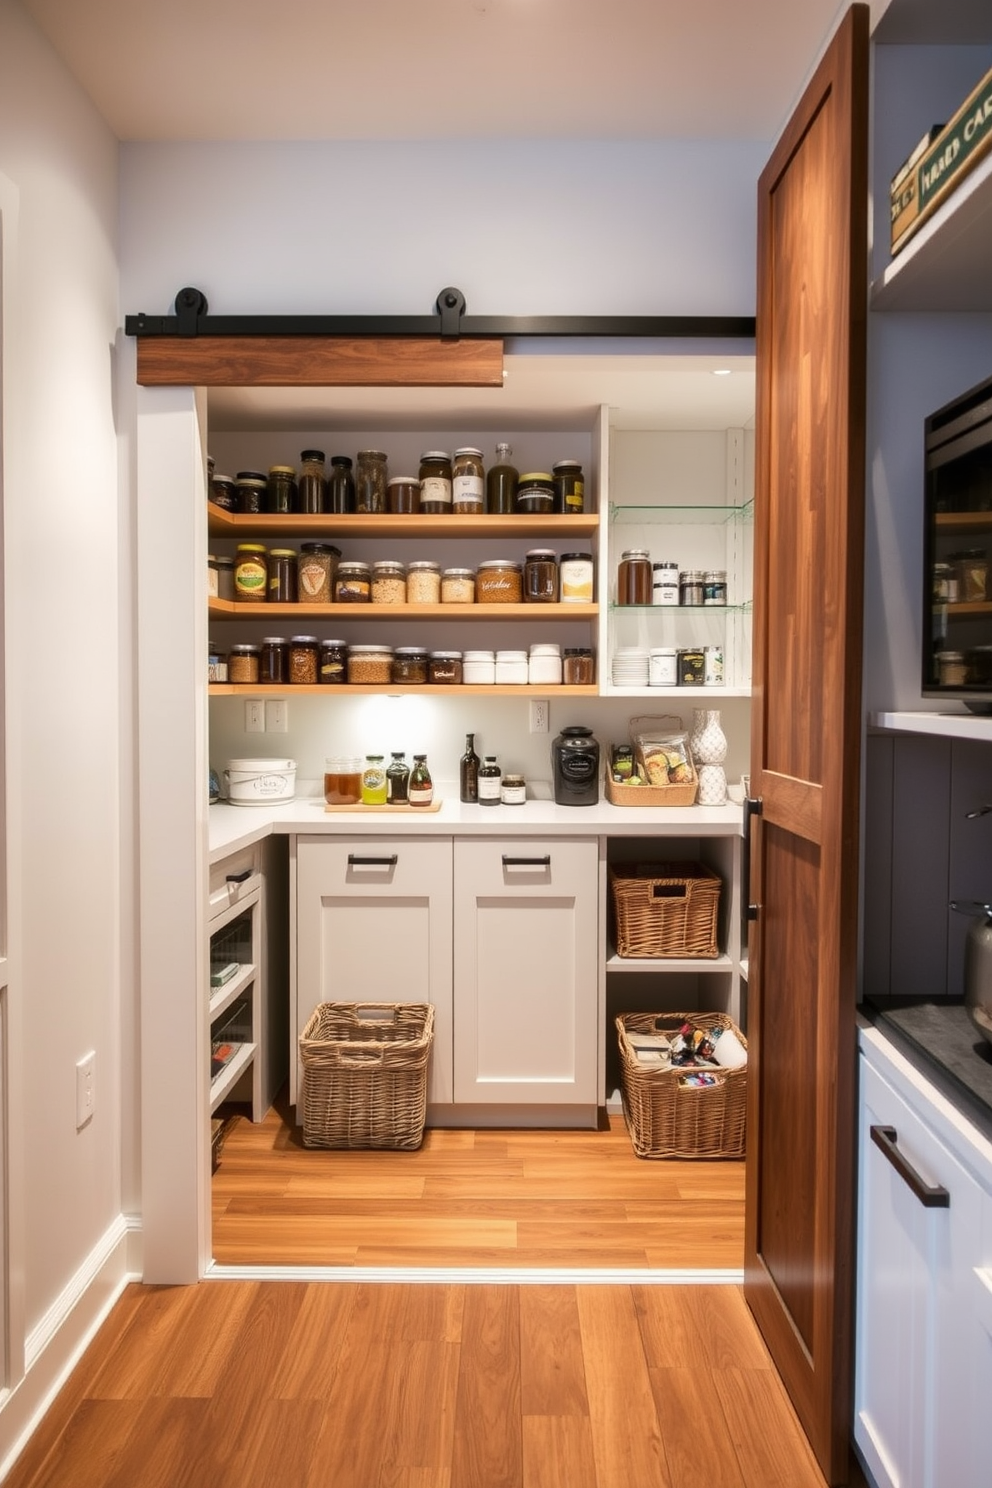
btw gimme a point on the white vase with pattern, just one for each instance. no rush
(708, 744)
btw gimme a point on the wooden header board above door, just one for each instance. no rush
(318, 361)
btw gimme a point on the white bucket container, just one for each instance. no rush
(259, 782)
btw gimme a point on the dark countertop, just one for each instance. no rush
(941, 1041)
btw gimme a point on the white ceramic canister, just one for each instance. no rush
(258, 782)
(544, 665)
(663, 668)
(511, 667)
(478, 667)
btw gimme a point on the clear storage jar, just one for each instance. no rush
(332, 663)
(499, 581)
(243, 663)
(316, 571)
(577, 667)
(435, 482)
(251, 573)
(274, 660)
(282, 576)
(540, 578)
(445, 668)
(468, 482)
(353, 583)
(250, 486)
(302, 654)
(403, 494)
(458, 586)
(388, 582)
(370, 665)
(423, 582)
(409, 665)
(370, 481)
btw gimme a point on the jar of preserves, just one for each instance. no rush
(478, 667)
(421, 786)
(251, 573)
(250, 486)
(340, 485)
(282, 575)
(570, 487)
(544, 667)
(370, 665)
(513, 790)
(274, 661)
(499, 581)
(303, 651)
(445, 668)
(312, 483)
(501, 482)
(435, 482)
(370, 481)
(353, 583)
(457, 586)
(423, 582)
(332, 663)
(511, 668)
(409, 665)
(280, 489)
(388, 582)
(468, 482)
(665, 583)
(225, 577)
(223, 492)
(374, 781)
(540, 581)
(575, 578)
(316, 572)
(398, 780)
(403, 494)
(634, 577)
(691, 590)
(343, 780)
(490, 781)
(577, 667)
(243, 663)
(535, 493)
(715, 586)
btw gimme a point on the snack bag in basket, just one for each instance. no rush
(664, 758)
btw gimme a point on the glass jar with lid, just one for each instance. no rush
(445, 668)
(421, 788)
(274, 660)
(340, 485)
(282, 575)
(225, 576)
(388, 582)
(513, 790)
(468, 482)
(403, 494)
(243, 663)
(251, 573)
(302, 654)
(251, 486)
(409, 665)
(435, 482)
(499, 581)
(332, 663)
(535, 493)
(223, 492)
(634, 578)
(570, 486)
(423, 582)
(370, 665)
(353, 583)
(457, 585)
(280, 490)
(577, 667)
(312, 483)
(575, 578)
(691, 588)
(374, 781)
(714, 586)
(540, 584)
(316, 572)
(370, 481)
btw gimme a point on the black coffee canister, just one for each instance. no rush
(575, 767)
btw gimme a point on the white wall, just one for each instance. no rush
(63, 631)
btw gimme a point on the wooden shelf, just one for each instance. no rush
(396, 689)
(668, 963)
(329, 525)
(227, 609)
(955, 522)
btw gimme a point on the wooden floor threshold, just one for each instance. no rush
(483, 1275)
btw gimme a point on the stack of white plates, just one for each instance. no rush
(630, 667)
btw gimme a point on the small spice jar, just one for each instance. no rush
(273, 663)
(388, 582)
(435, 482)
(370, 481)
(223, 492)
(316, 572)
(403, 494)
(243, 663)
(499, 581)
(225, 577)
(569, 486)
(540, 584)
(715, 586)
(951, 669)
(511, 668)
(280, 489)
(423, 582)
(691, 589)
(468, 482)
(251, 573)
(409, 665)
(370, 665)
(577, 667)
(512, 790)
(303, 660)
(535, 493)
(353, 583)
(250, 486)
(634, 577)
(457, 586)
(444, 668)
(282, 575)
(312, 484)
(575, 578)
(665, 583)
(544, 666)
(478, 668)
(332, 663)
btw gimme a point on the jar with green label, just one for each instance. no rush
(251, 573)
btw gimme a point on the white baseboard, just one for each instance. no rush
(57, 1341)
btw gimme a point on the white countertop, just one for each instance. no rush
(234, 827)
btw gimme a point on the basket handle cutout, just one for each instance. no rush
(669, 891)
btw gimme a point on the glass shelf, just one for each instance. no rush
(680, 516)
(673, 610)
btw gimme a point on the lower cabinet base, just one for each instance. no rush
(541, 1117)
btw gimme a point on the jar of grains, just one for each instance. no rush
(213, 582)
(575, 574)
(403, 494)
(409, 664)
(251, 573)
(541, 576)
(370, 481)
(499, 581)
(457, 586)
(316, 571)
(423, 582)
(370, 665)
(445, 668)
(353, 583)
(274, 660)
(282, 575)
(332, 663)
(243, 663)
(280, 490)
(303, 660)
(577, 667)
(388, 582)
(478, 667)
(250, 486)
(435, 482)
(468, 482)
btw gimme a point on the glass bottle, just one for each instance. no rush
(370, 481)
(468, 772)
(397, 780)
(421, 788)
(435, 482)
(340, 485)
(501, 482)
(311, 488)
(490, 782)
(373, 781)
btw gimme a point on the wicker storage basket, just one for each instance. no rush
(365, 1074)
(666, 1119)
(665, 909)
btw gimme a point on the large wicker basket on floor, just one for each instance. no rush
(666, 1119)
(365, 1074)
(665, 909)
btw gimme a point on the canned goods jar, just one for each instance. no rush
(423, 582)
(332, 663)
(274, 661)
(435, 482)
(569, 487)
(370, 664)
(468, 482)
(409, 664)
(951, 669)
(250, 486)
(303, 660)
(512, 790)
(575, 578)
(511, 668)
(445, 668)
(388, 582)
(715, 586)
(535, 493)
(544, 665)
(353, 583)
(577, 667)
(665, 583)
(374, 781)
(282, 575)
(691, 667)
(316, 572)
(663, 670)
(457, 585)
(403, 494)
(370, 481)
(713, 672)
(251, 573)
(540, 578)
(223, 492)
(634, 577)
(499, 581)
(280, 489)
(243, 663)
(691, 590)
(478, 667)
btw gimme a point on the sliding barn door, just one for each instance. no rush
(805, 745)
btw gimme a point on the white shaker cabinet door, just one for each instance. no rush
(373, 924)
(526, 971)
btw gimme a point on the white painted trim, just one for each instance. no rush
(482, 1275)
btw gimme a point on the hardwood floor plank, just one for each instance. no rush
(312, 1347)
(488, 1447)
(770, 1445)
(82, 1453)
(552, 1369)
(558, 1452)
(172, 1424)
(626, 1434)
(698, 1445)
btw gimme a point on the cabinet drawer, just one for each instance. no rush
(235, 878)
(370, 866)
(537, 867)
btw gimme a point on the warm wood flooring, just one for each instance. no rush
(289, 1384)
(516, 1199)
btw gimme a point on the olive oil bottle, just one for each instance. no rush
(468, 772)
(501, 482)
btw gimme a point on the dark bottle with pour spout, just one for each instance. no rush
(468, 772)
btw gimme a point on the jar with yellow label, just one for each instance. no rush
(251, 573)
(374, 781)
(282, 575)
(570, 487)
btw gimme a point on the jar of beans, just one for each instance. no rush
(423, 582)
(370, 665)
(457, 586)
(243, 663)
(499, 581)
(388, 582)
(303, 660)
(251, 573)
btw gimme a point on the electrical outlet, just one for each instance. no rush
(539, 715)
(254, 716)
(276, 716)
(85, 1089)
